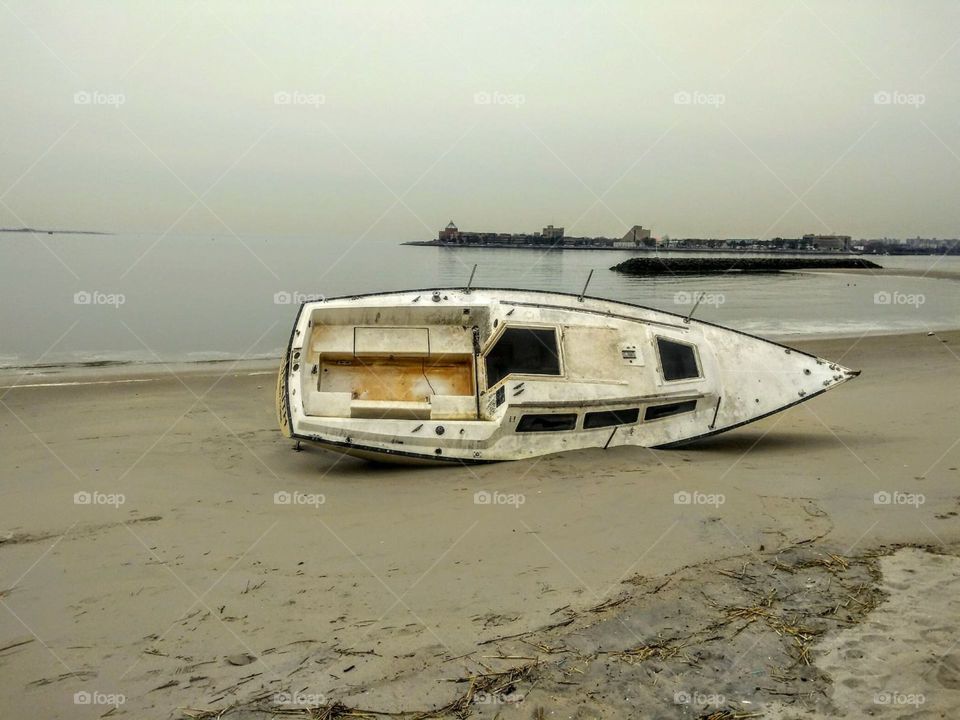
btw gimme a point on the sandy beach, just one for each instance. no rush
(539, 267)
(165, 553)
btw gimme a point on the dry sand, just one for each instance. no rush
(904, 659)
(199, 591)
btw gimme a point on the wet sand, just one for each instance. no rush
(203, 589)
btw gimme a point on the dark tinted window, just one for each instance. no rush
(677, 360)
(607, 418)
(655, 412)
(547, 423)
(527, 351)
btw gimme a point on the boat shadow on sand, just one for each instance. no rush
(736, 444)
(758, 440)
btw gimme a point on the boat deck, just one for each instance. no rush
(398, 379)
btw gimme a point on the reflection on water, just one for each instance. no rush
(198, 298)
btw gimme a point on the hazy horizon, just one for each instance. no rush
(383, 121)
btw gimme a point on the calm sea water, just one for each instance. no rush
(76, 298)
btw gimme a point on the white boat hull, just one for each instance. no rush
(488, 375)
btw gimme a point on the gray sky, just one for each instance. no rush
(384, 120)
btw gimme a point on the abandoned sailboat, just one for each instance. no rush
(461, 375)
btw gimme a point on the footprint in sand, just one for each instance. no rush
(852, 652)
(938, 635)
(948, 672)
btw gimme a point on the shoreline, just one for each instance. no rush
(97, 371)
(121, 371)
(126, 364)
(888, 272)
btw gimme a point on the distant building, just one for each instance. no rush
(637, 236)
(927, 243)
(828, 242)
(449, 233)
(552, 233)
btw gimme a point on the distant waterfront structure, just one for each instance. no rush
(807, 243)
(912, 246)
(553, 233)
(928, 243)
(448, 233)
(639, 238)
(549, 236)
(828, 242)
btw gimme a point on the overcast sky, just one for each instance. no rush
(384, 120)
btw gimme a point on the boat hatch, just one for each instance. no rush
(523, 351)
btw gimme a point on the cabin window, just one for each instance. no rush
(678, 361)
(523, 351)
(656, 412)
(547, 423)
(606, 418)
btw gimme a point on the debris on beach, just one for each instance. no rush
(726, 642)
(240, 659)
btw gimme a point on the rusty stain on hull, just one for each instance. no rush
(400, 379)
